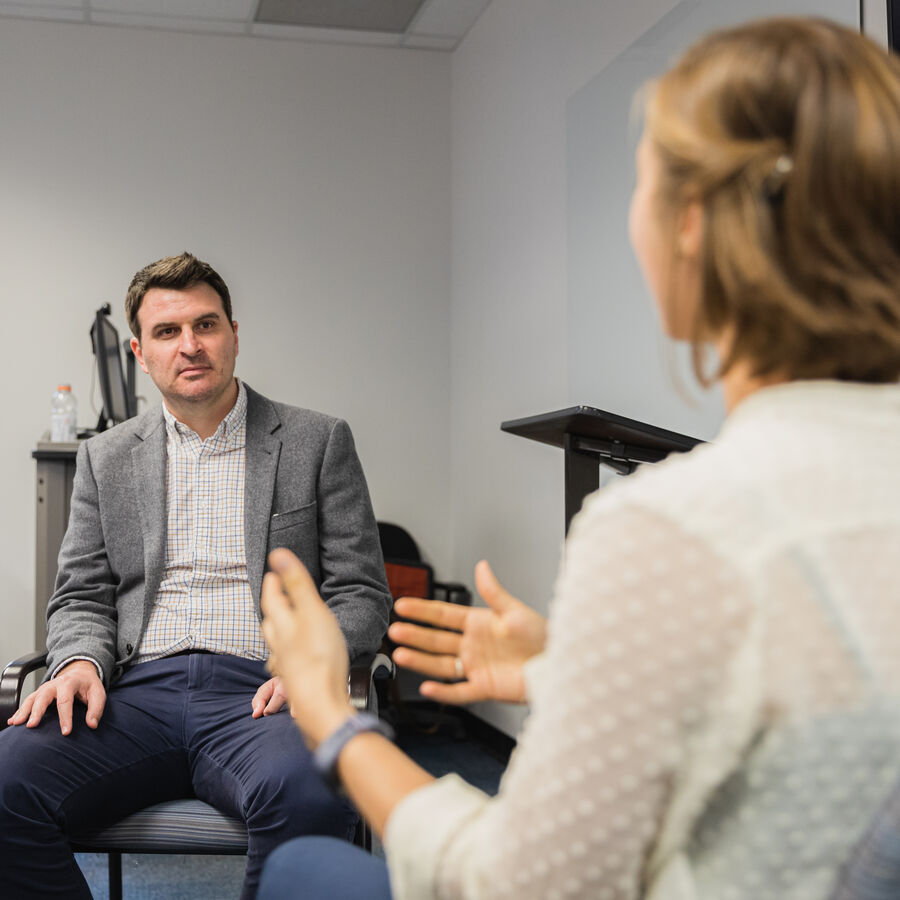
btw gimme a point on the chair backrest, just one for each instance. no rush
(397, 543)
(407, 575)
(409, 579)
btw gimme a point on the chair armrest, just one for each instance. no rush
(13, 679)
(361, 683)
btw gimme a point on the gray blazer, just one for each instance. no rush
(304, 489)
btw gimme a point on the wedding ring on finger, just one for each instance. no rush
(460, 672)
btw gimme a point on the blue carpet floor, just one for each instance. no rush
(155, 877)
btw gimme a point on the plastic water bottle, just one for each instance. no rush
(64, 415)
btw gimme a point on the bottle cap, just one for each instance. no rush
(64, 387)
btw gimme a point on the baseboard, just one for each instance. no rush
(426, 717)
(498, 742)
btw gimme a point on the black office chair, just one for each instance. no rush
(409, 575)
(182, 826)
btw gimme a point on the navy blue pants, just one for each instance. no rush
(172, 728)
(321, 868)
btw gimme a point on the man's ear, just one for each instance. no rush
(234, 328)
(136, 350)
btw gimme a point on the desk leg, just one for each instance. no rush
(582, 477)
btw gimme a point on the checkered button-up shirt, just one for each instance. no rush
(204, 600)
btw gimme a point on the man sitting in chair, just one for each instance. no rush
(154, 623)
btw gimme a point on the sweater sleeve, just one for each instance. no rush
(644, 624)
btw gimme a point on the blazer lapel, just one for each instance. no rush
(148, 461)
(260, 469)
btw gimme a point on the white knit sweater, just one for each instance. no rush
(717, 713)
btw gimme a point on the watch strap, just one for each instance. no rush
(325, 757)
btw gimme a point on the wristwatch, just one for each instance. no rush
(325, 757)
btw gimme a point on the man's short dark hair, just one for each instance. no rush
(175, 273)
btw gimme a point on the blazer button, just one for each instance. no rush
(129, 649)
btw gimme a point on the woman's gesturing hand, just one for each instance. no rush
(483, 649)
(308, 648)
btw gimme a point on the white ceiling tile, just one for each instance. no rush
(170, 23)
(36, 5)
(234, 10)
(449, 17)
(439, 26)
(34, 11)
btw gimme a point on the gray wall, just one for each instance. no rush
(548, 308)
(618, 359)
(315, 177)
(512, 79)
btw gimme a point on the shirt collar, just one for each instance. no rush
(228, 427)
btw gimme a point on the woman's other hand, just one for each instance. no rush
(308, 650)
(484, 650)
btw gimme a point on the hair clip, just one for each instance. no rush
(773, 183)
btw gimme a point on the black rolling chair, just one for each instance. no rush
(409, 575)
(182, 826)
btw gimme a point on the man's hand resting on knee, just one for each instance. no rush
(269, 698)
(77, 681)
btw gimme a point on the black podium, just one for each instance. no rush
(590, 437)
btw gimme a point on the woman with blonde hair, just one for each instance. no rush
(715, 702)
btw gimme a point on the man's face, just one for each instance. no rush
(187, 345)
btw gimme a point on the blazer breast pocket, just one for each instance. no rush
(305, 515)
(298, 530)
